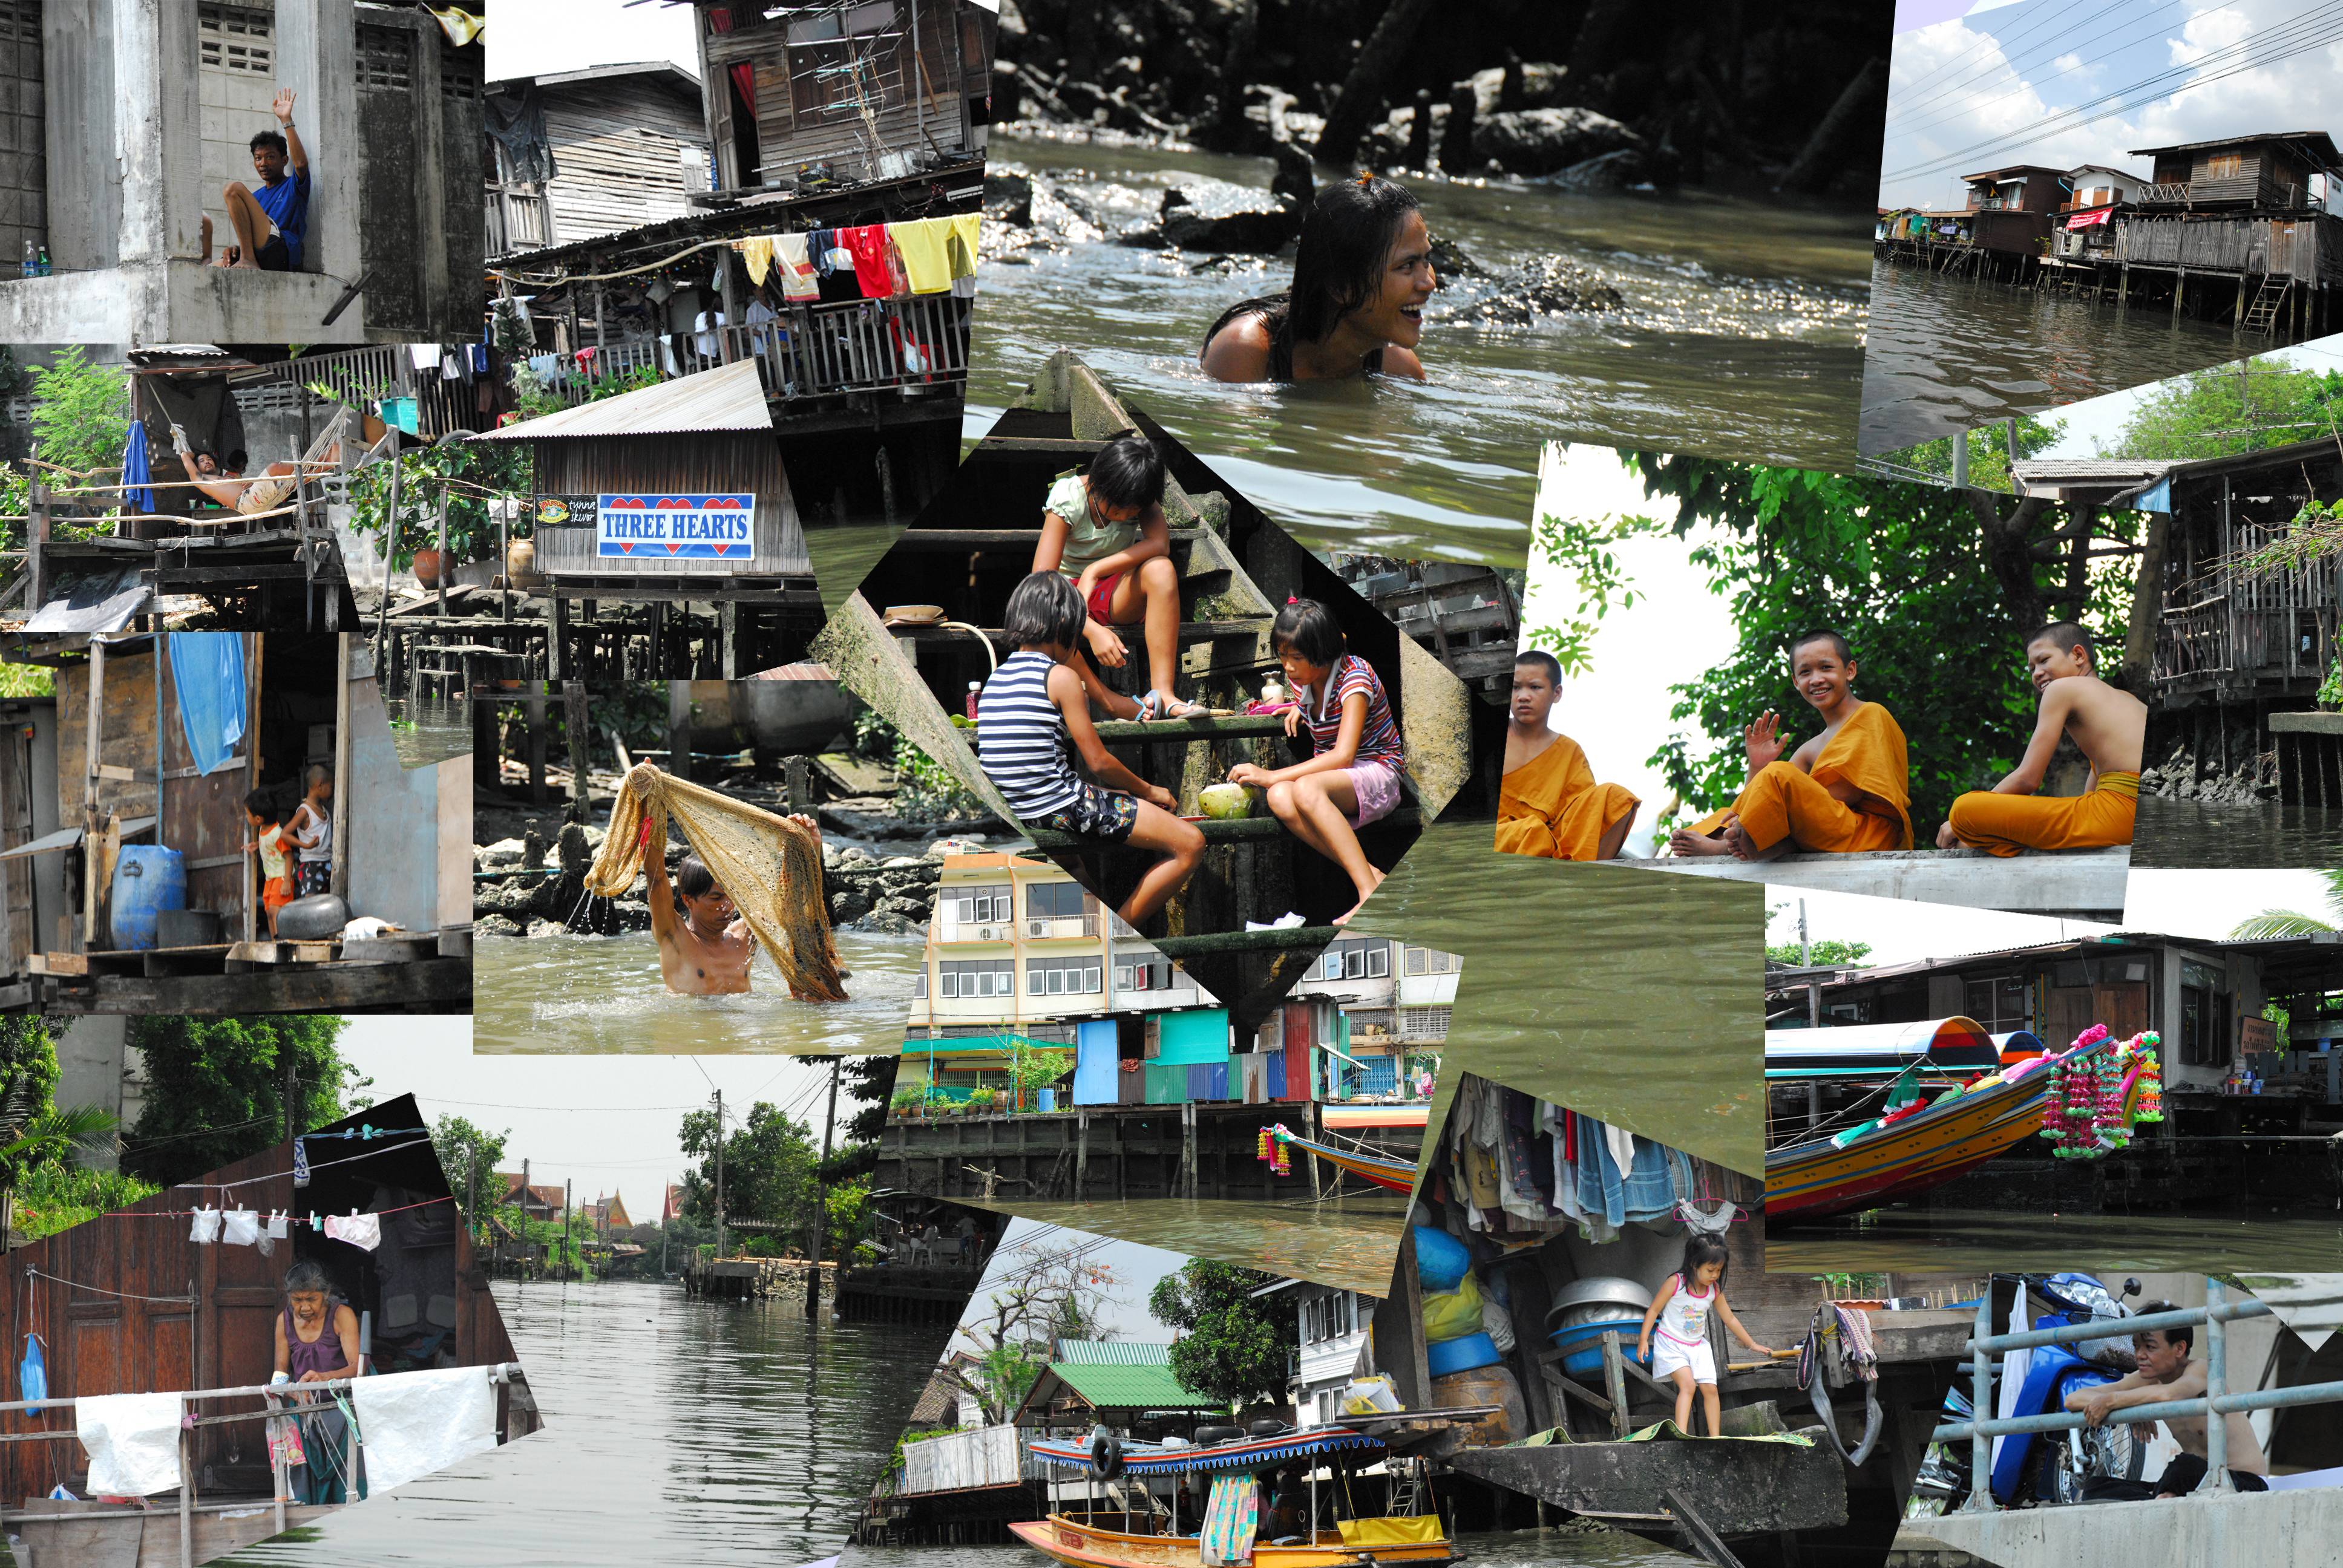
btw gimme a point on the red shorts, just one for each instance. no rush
(1101, 596)
(275, 893)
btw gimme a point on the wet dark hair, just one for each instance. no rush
(262, 804)
(1338, 266)
(2068, 635)
(1823, 634)
(2184, 1336)
(268, 139)
(1544, 660)
(1701, 1247)
(1310, 630)
(693, 879)
(1127, 472)
(1047, 608)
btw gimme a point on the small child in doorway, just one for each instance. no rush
(1033, 719)
(269, 838)
(312, 833)
(1680, 1314)
(1352, 776)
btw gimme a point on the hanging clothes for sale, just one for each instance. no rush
(963, 228)
(362, 1231)
(757, 251)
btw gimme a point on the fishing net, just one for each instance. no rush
(770, 866)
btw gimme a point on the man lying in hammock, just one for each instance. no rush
(705, 945)
(226, 483)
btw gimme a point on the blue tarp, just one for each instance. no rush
(1094, 1062)
(135, 471)
(207, 670)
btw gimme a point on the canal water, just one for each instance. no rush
(1940, 1241)
(1742, 334)
(581, 995)
(1950, 353)
(1350, 1243)
(437, 730)
(676, 1431)
(1508, 1549)
(2180, 834)
(1632, 997)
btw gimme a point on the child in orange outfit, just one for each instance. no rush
(269, 838)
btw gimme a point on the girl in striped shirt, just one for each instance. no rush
(1352, 777)
(1033, 720)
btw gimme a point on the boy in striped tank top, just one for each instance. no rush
(1033, 720)
(1352, 777)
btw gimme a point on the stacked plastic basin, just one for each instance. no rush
(1454, 1340)
(1586, 1310)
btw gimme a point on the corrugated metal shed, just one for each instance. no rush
(1116, 1386)
(1111, 1352)
(732, 398)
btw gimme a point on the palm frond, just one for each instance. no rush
(2279, 923)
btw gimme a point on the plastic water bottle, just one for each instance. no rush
(975, 688)
(44, 261)
(31, 265)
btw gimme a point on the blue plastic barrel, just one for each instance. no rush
(146, 881)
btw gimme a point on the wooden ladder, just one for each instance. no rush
(2261, 316)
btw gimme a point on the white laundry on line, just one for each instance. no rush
(413, 1423)
(133, 1441)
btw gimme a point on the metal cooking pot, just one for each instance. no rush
(1595, 1301)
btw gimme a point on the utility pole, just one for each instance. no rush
(821, 1197)
(1806, 948)
(719, 1173)
(292, 1099)
(568, 1243)
(527, 1191)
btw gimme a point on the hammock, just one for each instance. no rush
(770, 867)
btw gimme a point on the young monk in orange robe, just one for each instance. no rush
(1550, 804)
(1847, 790)
(2110, 727)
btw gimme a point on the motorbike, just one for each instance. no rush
(2054, 1468)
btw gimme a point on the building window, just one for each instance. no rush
(967, 979)
(985, 906)
(1430, 961)
(1061, 977)
(1355, 960)
(1999, 1003)
(919, 986)
(1424, 1022)
(2204, 1016)
(1154, 975)
(2224, 165)
(1055, 900)
(844, 60)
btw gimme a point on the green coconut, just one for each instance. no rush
(1227, 800)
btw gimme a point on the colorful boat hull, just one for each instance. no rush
(1079, 1545)
(1396, 1175)
(1817, 1179)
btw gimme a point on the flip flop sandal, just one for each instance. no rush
(1159, 704)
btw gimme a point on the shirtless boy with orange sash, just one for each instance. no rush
(2107, 725)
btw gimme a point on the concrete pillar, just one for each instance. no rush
(317, 58)
(157, 131)
(92, 1069)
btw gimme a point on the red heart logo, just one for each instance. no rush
(626, 547)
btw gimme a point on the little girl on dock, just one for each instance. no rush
(1033, 720)
(267, 822)
(1679, 1313)
(1352, 776)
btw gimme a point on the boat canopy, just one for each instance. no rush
(1246, 1453)
(1870, 1050)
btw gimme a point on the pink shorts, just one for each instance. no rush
(1376, 784)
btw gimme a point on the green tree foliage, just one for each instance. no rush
(1232, 1346)
(81, 412)
(469, 1156)
(216, 1088)
(2240, 407)
(1584, 552)
(1934, 589)
(771, 1164)
(2292, 923)
(1830, 951)
(57, 1196)
(469, 475)
(1988, 451)
(1043, 1298)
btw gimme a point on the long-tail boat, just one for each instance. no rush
(1918, 1145)
(1099, 1537)
(1381, 1169)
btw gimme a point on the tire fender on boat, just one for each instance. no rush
(1106, 1453)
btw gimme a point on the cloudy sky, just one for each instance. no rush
(2062, 83)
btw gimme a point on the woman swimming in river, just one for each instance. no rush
(1361, 277)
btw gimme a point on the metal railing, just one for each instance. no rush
(2213, 1317)
(810, 351)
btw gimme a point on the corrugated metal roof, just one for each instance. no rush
(1129, 1387)
(1111, 1352)
(732, 398)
